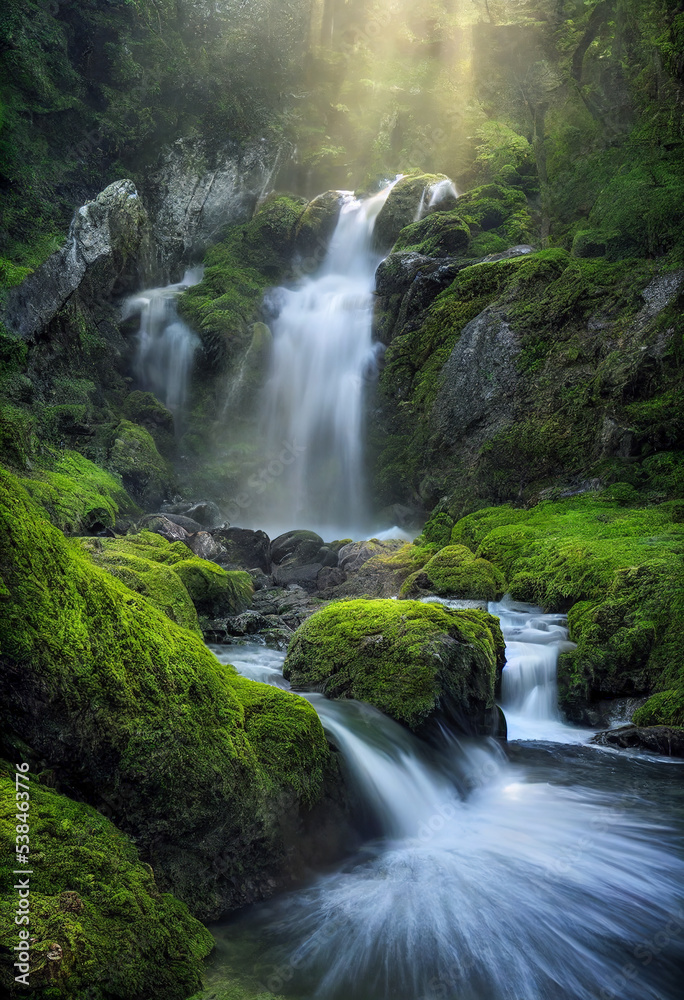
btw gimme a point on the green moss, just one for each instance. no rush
(78, 495)
(441, 234)
(454, 571)
(90, 890)
(224, 305)
(177, 582)
(138, 711)
(215, 591)
(618, 569)
(126, 559)
(664, 709)
(407, 658)
(133, 455)
(401, 206)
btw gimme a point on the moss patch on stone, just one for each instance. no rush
(408, 659)
(119, 937)
(455, 572)
(135, 712)
(133, 455)
(76, 494)
(170, 575)
(619, 570)
(441, 234)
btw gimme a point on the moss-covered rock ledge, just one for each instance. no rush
(213, 775)
(410, 660)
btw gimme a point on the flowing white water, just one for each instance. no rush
(322, 358)
(166, 345)
(547, 881)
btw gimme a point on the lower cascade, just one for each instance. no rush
(546, 876)
(322, 357)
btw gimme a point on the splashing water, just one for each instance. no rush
(166, 345)
(323, 356)
(547, 880)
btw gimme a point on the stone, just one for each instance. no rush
(246, 548)
(305, 575)
(205, 512)
(667, 741)
(478, 381)
(300, 545)
(330, 576)
(187, 523)
(105, 236)
(161, 525)
(416, 662)
(351, 557)
(204, 546)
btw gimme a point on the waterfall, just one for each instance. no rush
(322, 357)
(529, 692)
(166, 345)
(491, 880)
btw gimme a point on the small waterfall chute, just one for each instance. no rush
(165, 343)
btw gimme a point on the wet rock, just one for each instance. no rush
(304, 575)
(351, 557)
(206, 512)
(663, 740)
(403, 203)
(246, 548)
(184, 522)
(330, 576)
(248, 623)
(297, 546)
(316, 226)
(204, 546)
(161, 525)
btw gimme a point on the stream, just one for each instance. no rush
(548, 870)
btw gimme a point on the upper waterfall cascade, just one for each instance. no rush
(323, 356)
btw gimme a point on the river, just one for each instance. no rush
(540, 869)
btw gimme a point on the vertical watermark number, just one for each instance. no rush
(22, 914)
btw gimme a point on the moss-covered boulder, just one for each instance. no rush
(76, 494)
(134, 457)
(171, 577)
(403, 204)
(99, 926)
(410, 660)
(441, 234)
(134, 713)
(455, 572)
(144, 408)
(315, 227)
(383, 574)
(128, 560)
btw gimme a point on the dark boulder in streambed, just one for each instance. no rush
(416, 662)
(667, 741)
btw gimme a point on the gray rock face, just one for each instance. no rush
(478, 381)
(108, 236)
(195, 194)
